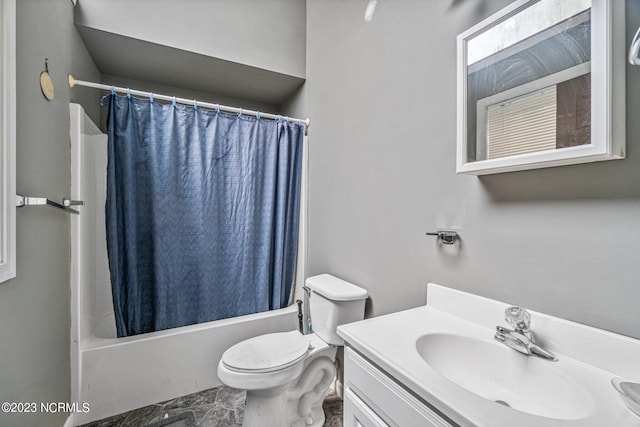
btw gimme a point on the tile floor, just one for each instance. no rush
(217, 407)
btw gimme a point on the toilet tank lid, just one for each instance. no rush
(335, 289)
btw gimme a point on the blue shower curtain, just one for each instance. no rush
(202, 213)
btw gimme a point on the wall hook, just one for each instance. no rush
(46, 84)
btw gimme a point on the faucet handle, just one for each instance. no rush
(518, 318)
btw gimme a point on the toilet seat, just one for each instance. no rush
(267, 353)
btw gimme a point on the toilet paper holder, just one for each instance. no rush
(447, 237)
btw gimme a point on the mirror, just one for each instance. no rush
(538, 86)
(7, 139)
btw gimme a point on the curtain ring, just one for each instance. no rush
(279, 119)
(174, 101)
(218, 108)
(258, 115)
(128, 93)
(240, 112)
(113, 90)
(151, 97)
(195, 104)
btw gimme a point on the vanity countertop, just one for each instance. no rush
(587, 357)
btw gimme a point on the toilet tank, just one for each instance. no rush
(334, 302)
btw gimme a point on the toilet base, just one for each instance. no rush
(298, 404)
(305, 397)
(266, 408)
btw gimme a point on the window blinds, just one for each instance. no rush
(522, 125)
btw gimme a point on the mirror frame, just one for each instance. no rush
(8, 140)
(607, 94)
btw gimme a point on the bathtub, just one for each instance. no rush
(115, 375)
(120, 374)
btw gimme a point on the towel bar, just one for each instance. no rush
(22, 201)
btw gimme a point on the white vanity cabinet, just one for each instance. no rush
(373, 399)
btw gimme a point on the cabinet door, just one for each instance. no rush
(381, 400)
(358, 414)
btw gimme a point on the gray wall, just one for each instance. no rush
(382, 103)
(381, 97)
(34, 307)
(267, 34)
(250, 49)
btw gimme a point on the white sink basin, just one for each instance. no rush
(445, 354)
(499, 374)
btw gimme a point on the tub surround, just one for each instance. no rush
(588, 359)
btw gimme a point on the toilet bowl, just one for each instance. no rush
(287, 374)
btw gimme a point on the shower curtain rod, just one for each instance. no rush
(73, 82)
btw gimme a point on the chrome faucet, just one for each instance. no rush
(520, 338)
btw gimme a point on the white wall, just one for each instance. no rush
(382, 101)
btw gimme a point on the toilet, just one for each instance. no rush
(287, 374)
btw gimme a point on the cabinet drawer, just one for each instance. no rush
(358, 414)
(391, 403)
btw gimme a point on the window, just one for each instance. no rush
(546, 114)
